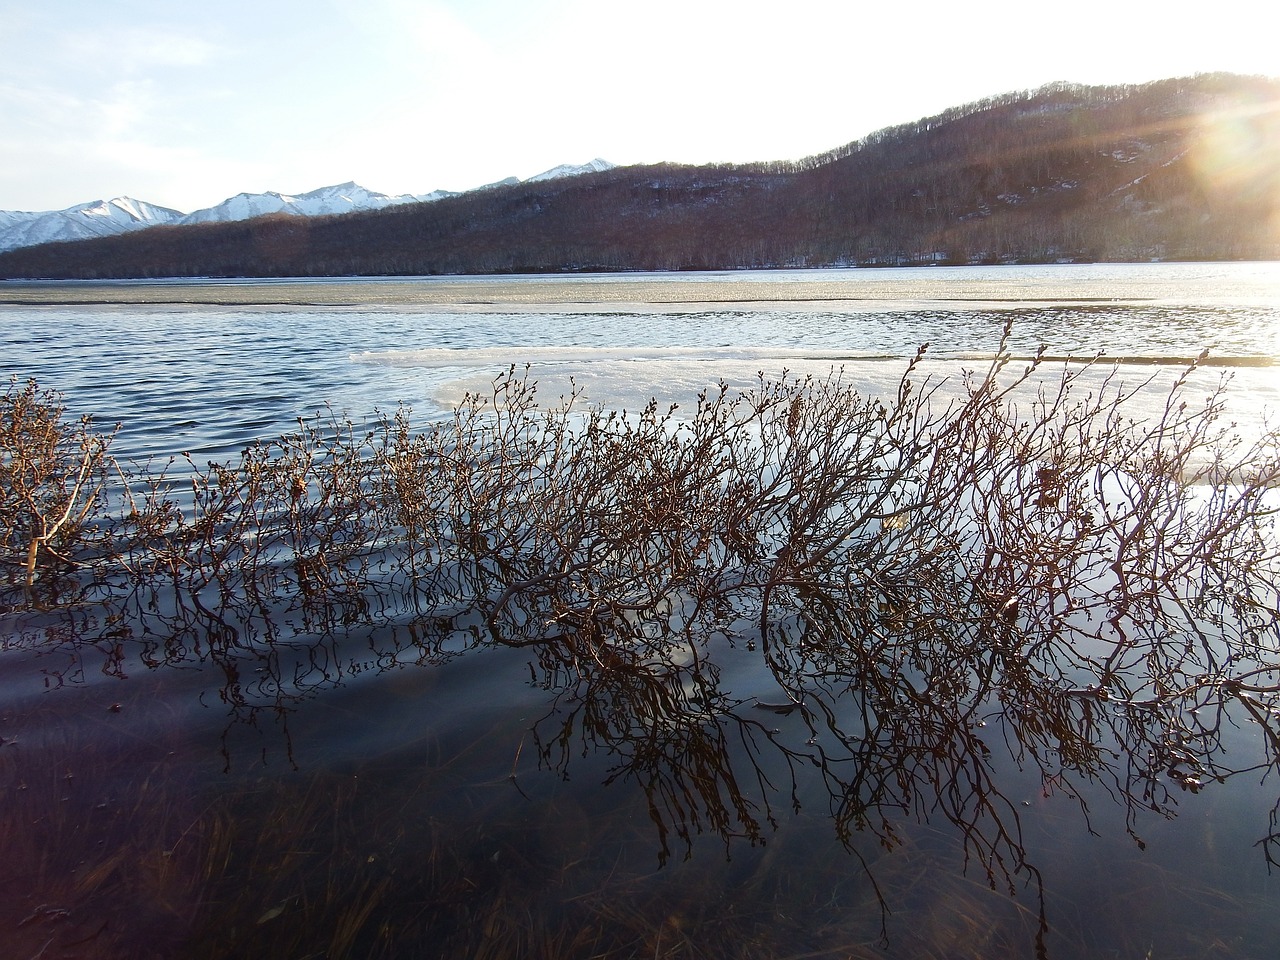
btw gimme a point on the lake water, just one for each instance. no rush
(368, 787)
(205, 377)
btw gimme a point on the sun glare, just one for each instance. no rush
(1238, 153)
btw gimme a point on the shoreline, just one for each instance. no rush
(843, 289)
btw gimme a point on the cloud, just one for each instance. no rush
(140, 49)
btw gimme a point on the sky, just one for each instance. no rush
(184, 104)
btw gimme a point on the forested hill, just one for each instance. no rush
(1176, 169)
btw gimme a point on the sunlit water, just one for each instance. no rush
(435, 768)
(205, 379)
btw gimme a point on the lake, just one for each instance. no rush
(398, 772)
(203, 368)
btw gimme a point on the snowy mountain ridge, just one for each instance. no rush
(100, 218)
(565, 170)
(326, 201)
(97, 218)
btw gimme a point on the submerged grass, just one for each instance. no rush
(326, 865)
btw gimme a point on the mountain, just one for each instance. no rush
(1179, 169)
(99, 219)
(565, 170)
(505, 182)
(342, 198)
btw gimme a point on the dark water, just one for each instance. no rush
(384, 783)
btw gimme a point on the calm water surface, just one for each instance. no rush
(475, 798)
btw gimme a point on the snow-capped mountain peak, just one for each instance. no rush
(569, 170)
(504, 182)
(322, 202)
(99, 218)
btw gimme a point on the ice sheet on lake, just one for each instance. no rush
(629, 377)
(519, 355)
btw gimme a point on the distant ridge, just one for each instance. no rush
(123, 214)
(326, 201)
(564, 170)
(1181, 169)
(97, 218)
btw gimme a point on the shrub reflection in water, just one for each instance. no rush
(793, 607)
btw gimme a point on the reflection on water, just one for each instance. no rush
(425, 816)
(868, 782)
(558, 684)
(206, 379)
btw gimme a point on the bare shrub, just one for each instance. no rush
(51, 481)
(1025, 500)
(1099, 589)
